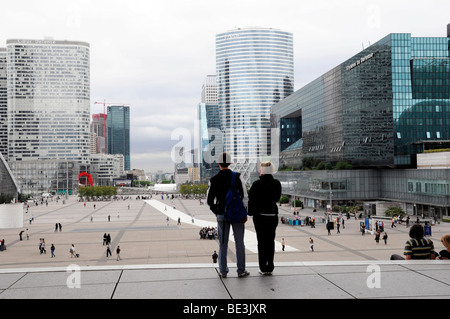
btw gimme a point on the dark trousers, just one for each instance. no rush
(265, 227)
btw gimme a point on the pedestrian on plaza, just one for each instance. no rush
(43, 247)
(377, 237)
(337, 226)
(311, 244)
(417, 247)
(56, 227)
(445, 254)
(393, 223)
(108, 250)
(385, 237)
(118, 253)
(262, 205)
(72, 251)
(28, 235)
(109, 218)
(52, 250)
(407, 221)
(60, 226)
(217, 190)
(214, 257)
(20, 234)
(105, 238)
(283, 244)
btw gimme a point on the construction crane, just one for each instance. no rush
(104, 105)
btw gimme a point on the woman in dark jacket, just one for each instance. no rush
(262, 205)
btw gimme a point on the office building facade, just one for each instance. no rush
(118, 137)
(209, 90)
(3, 104)
(255, 70)
(210, 136)
(48, 98)
(106, 167)
(100, 132)
(210, 140)
(380, 108)
(416, 191)
(379, 111)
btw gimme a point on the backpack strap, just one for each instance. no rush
(233, 178)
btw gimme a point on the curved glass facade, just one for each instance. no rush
(379, 108)
(255, 70)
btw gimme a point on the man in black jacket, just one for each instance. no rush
(217, 191)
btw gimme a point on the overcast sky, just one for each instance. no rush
(155, 55)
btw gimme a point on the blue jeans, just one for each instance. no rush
(224, 234)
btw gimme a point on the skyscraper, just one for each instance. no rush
(209, 127)
(48, 89)
(255, 70)
(209, 90)
(3, 105)
(99, 128)
(118, 124)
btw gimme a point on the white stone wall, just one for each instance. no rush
(433, 160)
(11, 216)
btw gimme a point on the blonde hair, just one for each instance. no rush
(445, 239)
(266, 168)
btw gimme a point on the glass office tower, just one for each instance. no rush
(209, 130)
(379, 108)
(118, 124)
(255, 70)
(48, 89)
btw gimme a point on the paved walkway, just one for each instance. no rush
(162, 259)
(308, 280)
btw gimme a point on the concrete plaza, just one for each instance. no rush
(163, 259)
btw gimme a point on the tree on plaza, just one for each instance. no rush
(394, 211)
(97, 191)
